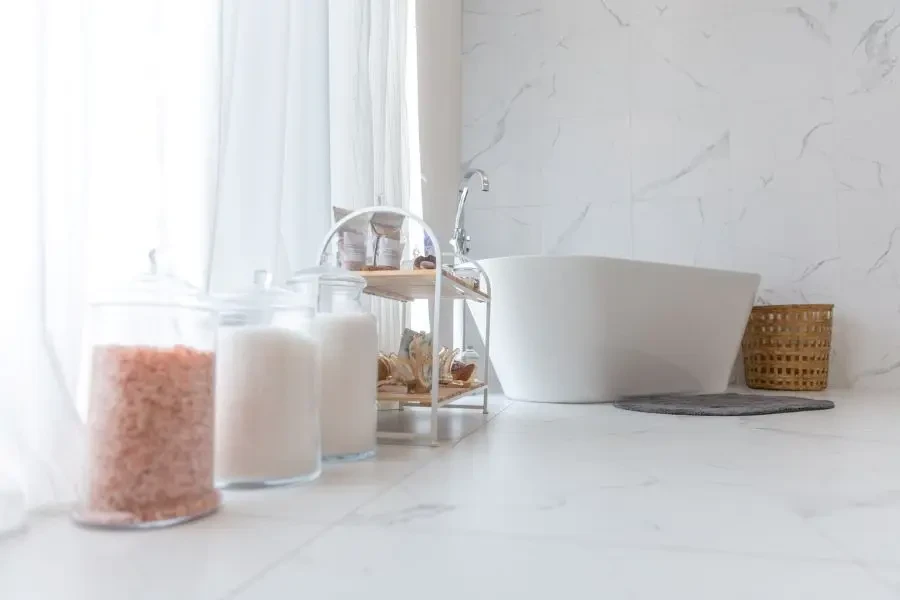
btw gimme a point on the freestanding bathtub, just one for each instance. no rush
(592, 329)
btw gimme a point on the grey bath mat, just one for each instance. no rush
(721, 405)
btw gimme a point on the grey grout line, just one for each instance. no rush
(246, 584)
(327, 528)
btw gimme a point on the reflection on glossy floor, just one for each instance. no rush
(453, 423)
(542, 500)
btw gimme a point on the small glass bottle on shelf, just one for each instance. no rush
(348, 361)
(267, 396)
(469, 356)
(151, 405)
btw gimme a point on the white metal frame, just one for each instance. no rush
(436, 403)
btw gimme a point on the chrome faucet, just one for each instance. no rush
(461, 239)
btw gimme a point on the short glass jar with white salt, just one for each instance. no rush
(267, 394)
(348, 361)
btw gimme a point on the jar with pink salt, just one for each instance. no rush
(151, 417)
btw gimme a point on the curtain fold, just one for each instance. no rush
(109, 121)
(273, 191)
(34, 411)
(370, 157)
(217, 131)
(256, 59)
(306, 186)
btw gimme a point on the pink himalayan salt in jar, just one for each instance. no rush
(151, 411)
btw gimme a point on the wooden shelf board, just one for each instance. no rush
(418, 284)
(446, 395)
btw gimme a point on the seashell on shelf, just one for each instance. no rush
(446, 357)
(384, 368)
(420, 353)
(462, 372)
(414, 369)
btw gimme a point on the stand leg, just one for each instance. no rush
(487, 356)
(434, 425)
(436, 345)
(459, 324)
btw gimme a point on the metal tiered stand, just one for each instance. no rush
(425, 284)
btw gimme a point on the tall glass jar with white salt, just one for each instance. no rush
(267, 394)
(348, 361)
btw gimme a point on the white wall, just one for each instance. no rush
(439, 32)
(438, 36)
(757, 135)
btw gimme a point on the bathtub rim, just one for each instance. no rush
(606, 259)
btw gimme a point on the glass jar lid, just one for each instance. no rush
(256, 304)
(156, 288)
(326, 275)
(320, 285)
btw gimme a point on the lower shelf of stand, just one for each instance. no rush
(445, 396)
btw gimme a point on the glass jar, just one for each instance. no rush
(469, 275)
(469, 356)
(267, 402)
(348, 361)
(151, 405)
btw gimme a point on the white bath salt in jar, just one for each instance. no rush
(267, 402)
(348, 362)
(151, 405)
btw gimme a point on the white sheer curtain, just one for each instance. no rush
(204, 128)
(370, 150)
(314, 115)
(273, 189)
(108, 149)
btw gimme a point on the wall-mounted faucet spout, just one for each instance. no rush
(461, 239)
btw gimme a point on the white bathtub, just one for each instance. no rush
(592, 329)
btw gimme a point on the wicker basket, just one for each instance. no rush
(787, 347)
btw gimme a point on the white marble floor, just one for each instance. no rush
(543, 500)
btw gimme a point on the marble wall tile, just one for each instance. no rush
(758, 135)
(589, 162)
(680, 134)
(588, 226)
(684, 230)
(870, 296)
(504, 231)
(636, 12)
(864, 47)
(774, 56)
(867, 136)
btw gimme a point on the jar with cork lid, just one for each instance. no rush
(267, 392)
(151, 416)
